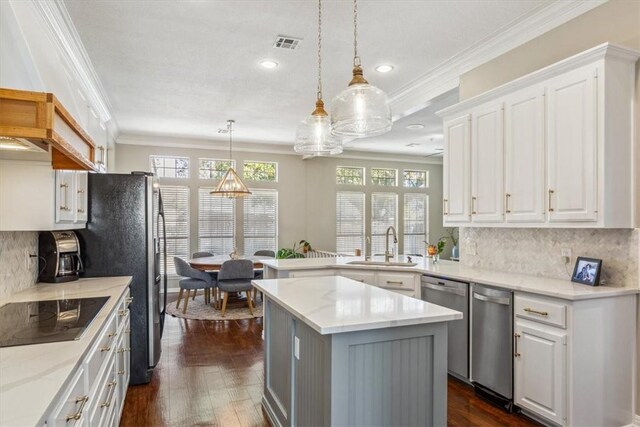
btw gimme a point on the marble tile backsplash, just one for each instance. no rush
(538, 251)
(15, 276)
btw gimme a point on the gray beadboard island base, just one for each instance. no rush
(379, 377)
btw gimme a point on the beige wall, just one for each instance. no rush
(306, 190)
(617, 21)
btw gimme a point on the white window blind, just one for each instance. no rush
(384, 213)
(416, 223)
(175, 201)
(260, 221)
(349, 221)
(216, 223)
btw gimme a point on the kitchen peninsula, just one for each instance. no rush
(339, 352)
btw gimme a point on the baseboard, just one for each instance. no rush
(270, 414)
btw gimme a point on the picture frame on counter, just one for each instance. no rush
(587, 271)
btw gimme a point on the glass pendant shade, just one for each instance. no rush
(231, 186)
(314, 136)
(361, 110)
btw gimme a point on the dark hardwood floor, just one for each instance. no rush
(210, 374)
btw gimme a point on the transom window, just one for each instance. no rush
(261, 171)
(213, 168)
(170, 167)
(415, 179)
(349, 175)
(385, 177)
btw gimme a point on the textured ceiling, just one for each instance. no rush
(182, 68)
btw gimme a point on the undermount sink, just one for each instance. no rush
(382, 263)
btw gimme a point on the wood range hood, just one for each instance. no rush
(41, 119)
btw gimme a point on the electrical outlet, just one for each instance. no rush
(473, 248)
(296, 347)
(566, 255)
(27, 259)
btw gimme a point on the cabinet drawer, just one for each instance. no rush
(72, 408)
(396, 281)
(123, 308)
(543, 311)
(101, 351)
(104, 395)
(359, 276)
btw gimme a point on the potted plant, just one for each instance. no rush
(289, 253)
(453, 235)
(306, 246)
(434, 250)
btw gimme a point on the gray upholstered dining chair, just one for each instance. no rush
(194, 280)
(271, 254)
(235, 276)
(202, 254)
(213, 274)
(258, 273)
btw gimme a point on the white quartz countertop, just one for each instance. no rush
(334, 304)
(559, 288)
(33, 376)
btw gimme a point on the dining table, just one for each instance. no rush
(213, 263)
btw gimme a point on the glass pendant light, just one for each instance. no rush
(314, 135)
(231, 185)
(361, 110)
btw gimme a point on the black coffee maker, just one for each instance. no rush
(59, 255)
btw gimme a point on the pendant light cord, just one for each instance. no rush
(230, 126)
(356, 58)
(319, 93)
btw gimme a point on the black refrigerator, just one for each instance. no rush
(124, 237)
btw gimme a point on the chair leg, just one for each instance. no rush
(249, 302)
(186, 302)
(255, 296)
(206, 296)
(224, 303)
(195, 291)
(179, 298)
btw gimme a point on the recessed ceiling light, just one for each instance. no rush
(384, 68)
(269, 64)
(415, 126)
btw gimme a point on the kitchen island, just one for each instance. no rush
(339, 352)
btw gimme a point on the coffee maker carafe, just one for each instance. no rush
(59, 255)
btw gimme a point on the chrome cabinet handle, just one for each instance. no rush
(101, 161)
(107, 402)
(82, 401)
(81, 201)
(121, 350)
(445, 203)
(113, 334)
(473, 205)
(515, 352)
(507, 197)
(122, 313)
(65, 207)
(103, 349)
(532, 311)
(121, 372)
(394, 288)
(550, 194)
(395, 282)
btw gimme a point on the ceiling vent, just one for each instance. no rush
(286, 42)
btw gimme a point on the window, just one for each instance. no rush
(416, 220)
(349, 221)
(415, 179)
(214, 169)
(261, 171)
(216, 222)
(384, 208)
(175, 201)
(349, 175)
(260, 221)
(170, 167)
(386, 177)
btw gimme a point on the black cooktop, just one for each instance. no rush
(37, 322)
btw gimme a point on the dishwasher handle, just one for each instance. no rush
(496, 300)
(443, 288)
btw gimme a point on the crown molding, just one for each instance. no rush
(64, 34)
(446, 76)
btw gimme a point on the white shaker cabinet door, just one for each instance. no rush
(487, 147)
(65, 198)
(572, 146)
(457, 164)
(524, 156)
(540, 370)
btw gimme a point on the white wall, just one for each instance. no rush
(306, 189)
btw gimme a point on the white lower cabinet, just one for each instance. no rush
(95, 396)
(403, 283)
(540, 358)
(368, 277)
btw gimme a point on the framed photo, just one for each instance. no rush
(587, 271)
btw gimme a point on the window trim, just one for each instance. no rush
(159, 156)
(244, 162)
(364, 175)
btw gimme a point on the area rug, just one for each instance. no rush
(198, 310)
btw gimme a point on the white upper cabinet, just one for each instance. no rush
(457, 157)
(524, 156)
(551, 149)
(487, 147)
(571, 146)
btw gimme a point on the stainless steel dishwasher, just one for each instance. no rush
(492, 343)
(453, 295)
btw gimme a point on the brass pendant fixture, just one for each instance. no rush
(231, 185)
